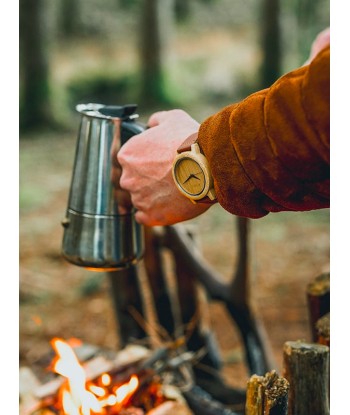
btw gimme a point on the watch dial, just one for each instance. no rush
(190, 176)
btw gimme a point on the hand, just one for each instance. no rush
(321, 41)
(146, 161)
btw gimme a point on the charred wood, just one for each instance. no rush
(202, 403)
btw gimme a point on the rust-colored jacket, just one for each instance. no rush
(270, 152)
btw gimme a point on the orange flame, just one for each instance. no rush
(80, 397)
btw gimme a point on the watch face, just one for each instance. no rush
(190, 176)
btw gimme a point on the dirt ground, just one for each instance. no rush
(57, 299)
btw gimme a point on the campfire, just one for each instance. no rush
(79, 396)
(134, 386)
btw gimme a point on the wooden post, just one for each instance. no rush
(267, 395)
(306, 367)
(323, 330)
(318, 298)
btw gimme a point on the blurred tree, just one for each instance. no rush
(271, 42)
(306, 18)
(306, 13)
(69, 18)
(182, 9)
(35, 96)
(156, 30)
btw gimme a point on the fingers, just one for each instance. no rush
(156, 118)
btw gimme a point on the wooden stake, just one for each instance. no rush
(323, 330)
(267, 395)
(318, 298)
(306, 367)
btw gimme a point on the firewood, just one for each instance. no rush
(28, 382)
(171, 408)
(267, 395)
(323, 330)
(306, 367)
(131, 411)
(203, 403)
(318, 300)
(96, 367)
(255, 399)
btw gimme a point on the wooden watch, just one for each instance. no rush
(191, 172)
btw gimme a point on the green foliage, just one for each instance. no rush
(124, 88)
(129, 4)
(104, 88)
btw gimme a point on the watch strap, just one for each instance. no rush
(186, 145)
(206, 200)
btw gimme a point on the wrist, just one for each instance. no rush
(192, 173)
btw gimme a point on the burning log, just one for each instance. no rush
(103, 386)
(318, 299)
(28, 382)
(267, 395)
(306, 367)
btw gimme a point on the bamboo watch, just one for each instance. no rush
(191, 172)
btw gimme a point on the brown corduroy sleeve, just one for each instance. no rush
(270, 152)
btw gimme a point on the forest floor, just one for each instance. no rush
(57, 299)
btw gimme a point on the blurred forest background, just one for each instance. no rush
(199, 55)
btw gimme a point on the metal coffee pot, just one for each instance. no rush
(99, 233)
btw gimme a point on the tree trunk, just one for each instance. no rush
(156, 27)
(69, 18)
(35, 102)
(271, 42)
(306, 10)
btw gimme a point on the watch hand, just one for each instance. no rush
(190, 177)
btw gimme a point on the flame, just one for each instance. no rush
(81, 397)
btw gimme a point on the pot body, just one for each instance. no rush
(99, 234)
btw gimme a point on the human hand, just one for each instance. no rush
(321, 41)
(146, 161)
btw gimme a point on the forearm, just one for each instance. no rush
(271, 151)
